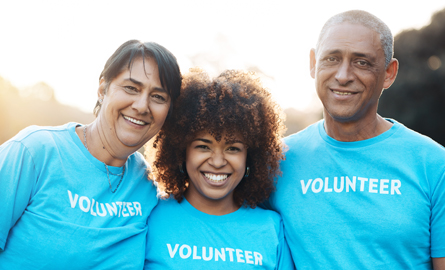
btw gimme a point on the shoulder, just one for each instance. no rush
(40, 137)
(417, 142)
(308, 131)
(167, 204)
(416, 151)
(300, 138)
(138, 161)
(33, 133)
(166, 208)
(264, 216)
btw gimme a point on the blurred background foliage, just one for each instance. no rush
(416, 99)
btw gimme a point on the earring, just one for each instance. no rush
(247, 172)
(101, 100)
(180, 168)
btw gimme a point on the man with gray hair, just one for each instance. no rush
(360, 191)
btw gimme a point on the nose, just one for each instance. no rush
(344, 73)
(141, 104)
(217, 159)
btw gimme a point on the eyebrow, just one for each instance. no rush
(160, 89)
(357, 54)
(210, 142)
(202, 140)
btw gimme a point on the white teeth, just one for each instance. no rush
(137, 122)
(216, 177)
(342, 93)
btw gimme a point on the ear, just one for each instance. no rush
(101, 91)
(391, 73)
(313, 62)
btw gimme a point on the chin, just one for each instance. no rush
(215, 196)
(134, 142)
(342, 117)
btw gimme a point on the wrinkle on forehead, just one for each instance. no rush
(348, 37)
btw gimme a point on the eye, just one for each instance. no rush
(202, 146)
(130, 89)
(362, 63)
(159, 98)
(233, 149)
(331, 59)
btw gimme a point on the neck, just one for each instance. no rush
(356, 130)
(99, 147)
(212, 207)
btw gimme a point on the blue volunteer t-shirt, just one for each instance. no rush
(371, 204)
(57, 208)
(182, 237)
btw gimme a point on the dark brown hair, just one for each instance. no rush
(233, 103)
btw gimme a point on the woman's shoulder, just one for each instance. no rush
(166, 204)
(261, 215)
(40, 137)
(138, 161)
(167, 208)
(35, 132)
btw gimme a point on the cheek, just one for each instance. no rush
(193, 160)
(160, 112)
(106, 112)
(240, 164)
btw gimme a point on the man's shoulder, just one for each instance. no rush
(417, 140)
(305, 134)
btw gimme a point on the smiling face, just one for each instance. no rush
(134, 106)
(214, 169)
(349, 71)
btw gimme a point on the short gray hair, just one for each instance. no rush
(368, 20)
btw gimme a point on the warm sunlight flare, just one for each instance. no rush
(64, 44)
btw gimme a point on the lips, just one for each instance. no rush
(135, 121)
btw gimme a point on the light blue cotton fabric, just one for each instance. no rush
(372, 204)
(57, 211)
(182, 237)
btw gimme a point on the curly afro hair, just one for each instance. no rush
(233, 103)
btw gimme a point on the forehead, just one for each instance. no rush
(141, 65)
(354, 38)
(204, 134)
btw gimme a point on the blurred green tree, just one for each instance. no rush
(417, 97)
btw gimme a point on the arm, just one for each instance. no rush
(439, 263)
(17, 179)
(438, 224)
(284, 256)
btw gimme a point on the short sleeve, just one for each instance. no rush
(284, 260)
(438, 219)
(17, 179)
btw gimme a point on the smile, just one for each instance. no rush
(135, 121)
(342, 93)
(216, 177)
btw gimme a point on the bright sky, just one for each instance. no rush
(66, 43)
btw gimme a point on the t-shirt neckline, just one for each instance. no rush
(358, 144)
(211, 218)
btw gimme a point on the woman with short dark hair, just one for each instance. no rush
(77, 196)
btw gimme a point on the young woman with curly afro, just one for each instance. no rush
(216, 160)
